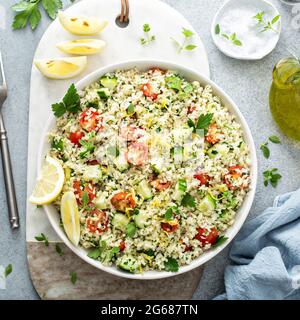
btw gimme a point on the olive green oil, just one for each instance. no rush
(285, 96)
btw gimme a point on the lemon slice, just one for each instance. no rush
(81, 25)
(49, 184)
(61, 68)
(82, 46)
(70, 216)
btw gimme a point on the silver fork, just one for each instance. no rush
(6, 163)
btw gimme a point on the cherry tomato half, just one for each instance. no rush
(90, 120)
(98, 223)
(202, 177)
(148, 91)
(207, 237)
(76, 136)
(123, 201)
(137, 153)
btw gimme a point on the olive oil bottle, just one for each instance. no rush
(285, 96)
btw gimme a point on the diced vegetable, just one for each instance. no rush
(92, 173)
(180, 190)
(128, 263)
(144, 190)
(101, 202)
(208, 204)
(140, 220)
(109, 83)
(103, 93)
(121, 163)
(120, 221)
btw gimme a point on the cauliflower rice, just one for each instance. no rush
(158, 165)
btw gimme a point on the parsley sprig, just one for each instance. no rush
(264, 146)
(271, 176)
(148, 38)
(266, 25)
(73, 277)
(203, 122)
(8, 270)
(70, 103)
(29, 11)
(42, 238)
(187, 34)
(231, 37)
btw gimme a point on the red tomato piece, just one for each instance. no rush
(148, 91)
(211, 135)
(98, 225)
(191, 109)
(202, 177)
(137, 153)
(123, 201)
(76, 136)
(188, 248)
(207, 237)
(90, 120)
(169, 227)
(122, 246)
(235, 172)
(160, 186)
(79, 190)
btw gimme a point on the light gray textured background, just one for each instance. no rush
(247, 82)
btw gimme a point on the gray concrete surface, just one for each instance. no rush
(247, 82)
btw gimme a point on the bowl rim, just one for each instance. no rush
(144, 64)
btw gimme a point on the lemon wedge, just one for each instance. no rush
(49, 184)
(82, 46)
(81, 25)
(70, 217)
(61, 68)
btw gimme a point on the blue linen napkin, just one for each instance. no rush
(266, 254)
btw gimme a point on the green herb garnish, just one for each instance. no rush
(184, 46)
(130, 229)
(174, 83)
(271, 176)
(70, 103)
(73, 276)
(265, 150)
(29, 11)
(171, 265)
(57, 144)
(230, 37)
(149, 253)
(266, 25)
(188, 201)
(220, 241)
(43, 238)
(89, 148)
(58, 250)
(203, 123)
(8, 270)
(217, 29)
(274, 139)
(148, 38)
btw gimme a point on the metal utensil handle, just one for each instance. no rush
(8, 178)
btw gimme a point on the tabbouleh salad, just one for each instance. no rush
(140, 211)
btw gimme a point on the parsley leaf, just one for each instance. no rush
(29, 11)
(57, 144)
(59, 250)
(169, 214)
(43, 238)
(184, 46)
(274, 139)
(220, 241)
(171, 265)
(204, 122)
(8, 270)
(173, 82)
(70, 103)
(230, 37)
(271, 176)
(217, 29)
(266, 25)
(73, 276)
(265, 150)
(130, 229)
(188, 201)
(89, 148)
(148, 38)
(95, 253)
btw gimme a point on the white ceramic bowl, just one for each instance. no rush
(243, 211)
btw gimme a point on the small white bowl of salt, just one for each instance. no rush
(246, 29)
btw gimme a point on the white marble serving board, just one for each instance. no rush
(122, 44)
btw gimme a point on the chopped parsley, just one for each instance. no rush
(171, 265)
(188, 201)
(271, 176)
